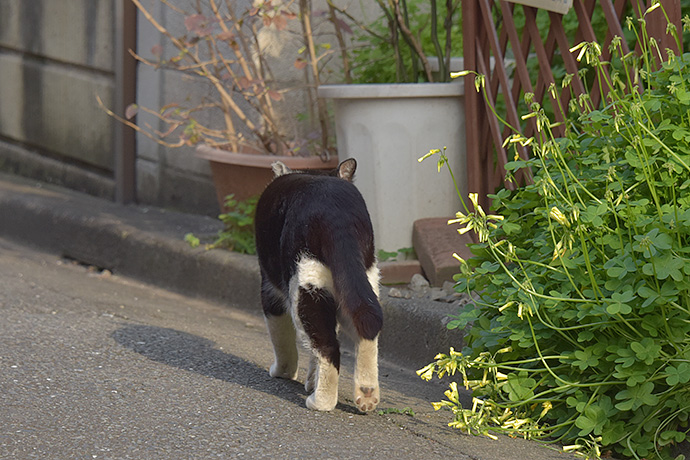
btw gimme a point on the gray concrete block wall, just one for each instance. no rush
(69, 31)
(55, 57)
(169, 177)
(53, 107)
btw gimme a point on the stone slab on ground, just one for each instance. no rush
(435, 242)
(399, 272)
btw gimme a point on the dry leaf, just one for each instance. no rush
(157, 50)
(300, 63)
(131, 111)
(280, 22)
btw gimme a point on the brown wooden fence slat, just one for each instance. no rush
(494, 125)
(568, 57)
(613, 15)
(503, 43)
(584, 17)
(657, 25)
(477, 151)
(523, 82)
(499, 70)
(545, 74)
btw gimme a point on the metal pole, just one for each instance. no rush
(124, 146)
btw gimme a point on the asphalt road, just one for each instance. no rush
(94, 365)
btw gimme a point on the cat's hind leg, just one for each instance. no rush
(315, 312)
(366, 375)
(366, 360)
(281, 330)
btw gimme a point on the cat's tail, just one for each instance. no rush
(354, 292)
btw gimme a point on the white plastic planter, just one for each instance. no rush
(386, 128)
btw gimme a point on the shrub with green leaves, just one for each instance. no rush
(581, 328)
(238, 227)
(238, 220)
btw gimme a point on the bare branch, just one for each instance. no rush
(412, 41)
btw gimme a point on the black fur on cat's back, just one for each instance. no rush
(324, 218)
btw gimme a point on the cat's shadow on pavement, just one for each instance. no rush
(196, 354)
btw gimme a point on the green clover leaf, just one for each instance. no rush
(678, 374)
(637, 396)
(646, 350)
(593, 420)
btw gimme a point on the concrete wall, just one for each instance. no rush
(55, 56)
(170, 177)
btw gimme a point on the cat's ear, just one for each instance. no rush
(279, 168)
(346, 169)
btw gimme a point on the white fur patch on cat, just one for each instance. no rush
(312, 273)
(374, 277)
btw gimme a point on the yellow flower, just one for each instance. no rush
(427, 155)
(547, 406)
(427, 372)
(558, 216)
(460, 74)
(558, 251)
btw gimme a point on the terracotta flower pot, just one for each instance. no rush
(248, 174)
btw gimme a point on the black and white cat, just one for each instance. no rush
(315, 244)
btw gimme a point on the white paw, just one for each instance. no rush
(366, 398)
(282, 372)
(320, 404)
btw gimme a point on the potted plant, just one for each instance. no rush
(222, 45)
(402, 110)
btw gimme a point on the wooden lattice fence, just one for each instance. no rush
(501, 41)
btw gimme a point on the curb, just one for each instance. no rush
(146, 243)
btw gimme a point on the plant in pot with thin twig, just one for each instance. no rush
(240, 127)
(223, 45)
